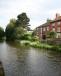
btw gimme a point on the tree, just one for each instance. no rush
(9, 32)
(17, 28)
(19, 32)
(1, 33)
(22, 26)
(22, 20)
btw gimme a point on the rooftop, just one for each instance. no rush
(57, 18)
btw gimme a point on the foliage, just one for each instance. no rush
(16, 29)
(51, 34)
(1, 33)
(9, 31)
(26, 36)
(19, 32)
(34, 33)
(22, 20)
(35, 38)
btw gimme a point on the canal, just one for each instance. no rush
(28, 61)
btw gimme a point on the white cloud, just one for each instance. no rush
(37, 10)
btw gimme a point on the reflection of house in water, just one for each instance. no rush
(53, 25)
(1, 69)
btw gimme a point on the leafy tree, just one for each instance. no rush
(1, 33)
(27, 36)
(19, 32)
(22, 20)
(16, 29)
(10, 30)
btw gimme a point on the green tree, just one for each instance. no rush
(19, 32)
(1, 33)
(22, 26)
(16, 29)
(22, 20)
(9, 32)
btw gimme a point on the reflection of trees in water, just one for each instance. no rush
(55, 56)
(22, 53)
(1, 69)
(16, 44)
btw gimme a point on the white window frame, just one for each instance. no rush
(53, 29)
(58, 23)
(41, 30)
(44, 29)
(58, 29)
(53, 24)
(58, 35)
(47, 28)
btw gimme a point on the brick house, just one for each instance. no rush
(54, 25)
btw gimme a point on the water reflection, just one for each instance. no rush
(27, 61)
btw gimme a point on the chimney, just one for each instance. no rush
(57, 15)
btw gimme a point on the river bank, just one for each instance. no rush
(47, 46)
(37, 44)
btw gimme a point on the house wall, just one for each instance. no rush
(55, 26)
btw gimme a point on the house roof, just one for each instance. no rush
(44, 25)
(58, 18)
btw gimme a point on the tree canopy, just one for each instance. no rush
(22, 20)
(17, 27)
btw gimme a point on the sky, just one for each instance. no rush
(37, 10)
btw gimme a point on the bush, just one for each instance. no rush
(51, 34)
(35, 38)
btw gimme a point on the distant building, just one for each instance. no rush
(54, 25)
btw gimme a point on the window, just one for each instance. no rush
(43, 29)
(53, 29)
(58, 23)
(58, 35)
(47, 28)
(58, 29)
(53, 24)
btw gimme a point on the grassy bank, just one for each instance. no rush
(46, 46)
(37, 44)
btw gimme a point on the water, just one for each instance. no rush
(27, 61)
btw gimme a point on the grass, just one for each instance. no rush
(46, 46)
(37, 44)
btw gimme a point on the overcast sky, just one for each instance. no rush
(37, 10)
